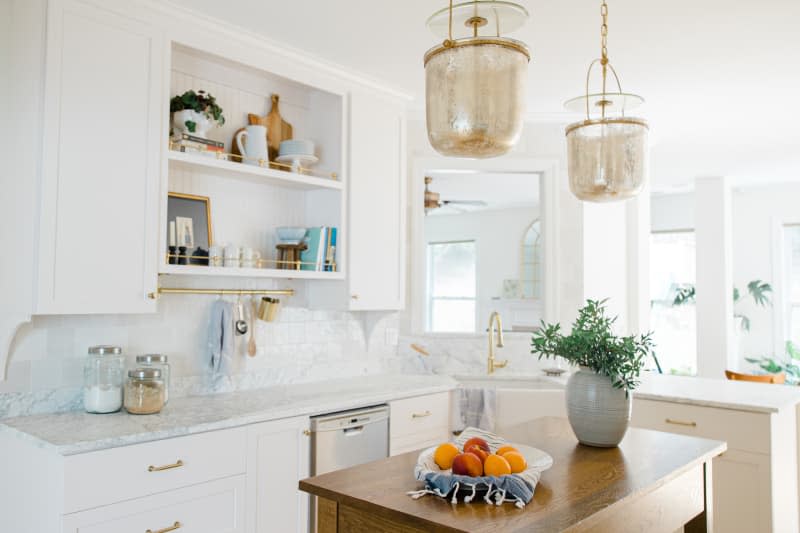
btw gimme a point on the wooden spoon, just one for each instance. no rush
(251, 344)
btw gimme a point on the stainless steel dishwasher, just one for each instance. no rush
(349, 438)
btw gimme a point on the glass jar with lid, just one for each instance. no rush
(160, 361)
(103, 374)
(144, 391)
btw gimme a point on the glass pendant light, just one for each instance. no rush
(475, 84)
(606, 155)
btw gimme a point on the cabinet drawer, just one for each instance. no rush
(423, 415)
(109, 476)
(742, 430)
(213, 507)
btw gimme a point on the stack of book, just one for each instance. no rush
(192, 143)
(320, 254)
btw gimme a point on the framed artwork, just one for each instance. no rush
(192, 217)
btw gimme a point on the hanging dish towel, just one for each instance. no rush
(220, 336)
(474, 408)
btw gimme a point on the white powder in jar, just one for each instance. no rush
(97, 399)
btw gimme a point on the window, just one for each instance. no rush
(531, 276)
(451, 286)
(791, 241)
(672, 268)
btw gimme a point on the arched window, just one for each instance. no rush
(531, 271)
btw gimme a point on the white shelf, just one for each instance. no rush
(251, 173)
(200, 270)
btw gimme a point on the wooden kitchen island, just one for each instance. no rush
(654, 482)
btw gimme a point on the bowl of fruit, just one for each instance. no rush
(480, 466)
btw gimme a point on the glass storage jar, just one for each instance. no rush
(144, 391)
(159, 361)
(103, 374)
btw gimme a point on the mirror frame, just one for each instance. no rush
(413, 322)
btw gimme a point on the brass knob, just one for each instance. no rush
(354, 296)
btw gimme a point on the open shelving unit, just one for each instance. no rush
(248, 201)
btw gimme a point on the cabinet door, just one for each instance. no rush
(741, 483)
(277, 459)
(100, 162)
(376, 228)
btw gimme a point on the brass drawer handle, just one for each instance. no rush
(176, 464)
(173, 527)
(680, 422)
(421, 415)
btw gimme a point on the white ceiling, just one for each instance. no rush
(721, 77)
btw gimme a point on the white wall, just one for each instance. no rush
(758, 213)
(498, 238)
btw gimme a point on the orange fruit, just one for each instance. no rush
(503, 449)
(516, 460)
(496, 465)
(445, 454)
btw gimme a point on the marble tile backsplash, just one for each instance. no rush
(45, 373)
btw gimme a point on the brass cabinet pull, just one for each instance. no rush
(173, 527)
(176, 464)
(354, 296)
(421, 415)
(307, 432)
(680, 422)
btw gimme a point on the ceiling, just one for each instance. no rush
(499, 190)
(721, 77)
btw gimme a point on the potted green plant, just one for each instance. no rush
(599, 393)
(195, 112)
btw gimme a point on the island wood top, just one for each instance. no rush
(584, 482)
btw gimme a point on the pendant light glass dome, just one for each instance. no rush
(607, 155)
(475, 85)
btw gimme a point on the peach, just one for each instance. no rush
(480, 452)
(467, 464)
(477, 441)
(497, 466)
(503, 449)
(516, 460)
(444, 455)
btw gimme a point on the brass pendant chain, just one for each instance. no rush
(604, 48)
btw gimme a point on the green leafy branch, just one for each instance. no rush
(593, 344)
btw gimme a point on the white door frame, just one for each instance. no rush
(549, 171)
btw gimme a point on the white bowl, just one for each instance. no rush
(290, 234)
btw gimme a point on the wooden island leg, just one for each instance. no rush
(704, 522)
(327, 516)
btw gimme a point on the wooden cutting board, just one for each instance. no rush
(277, 129)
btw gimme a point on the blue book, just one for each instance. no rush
(313, 256)
(330, 254)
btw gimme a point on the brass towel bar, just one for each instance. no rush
(220, 292)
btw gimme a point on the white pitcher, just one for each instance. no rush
(254, 147)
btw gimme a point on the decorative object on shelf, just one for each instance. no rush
(254, 147)
(290, 234)
(232, 256)
(102, 379)
(599, 394)
(321, 249)
(189, 226)
(193, 143)
(297, 153)
(215, 255)
(250, 258)
(195, 113)
(289, 255)
(277, 129)
(475, 85)
(268, 309)
(607, 155)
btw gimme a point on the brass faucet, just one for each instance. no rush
(494, 319)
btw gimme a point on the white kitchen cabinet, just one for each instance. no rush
(755, 481)
(102, 139)
(418, 422)
(278, 456)
(213, 507)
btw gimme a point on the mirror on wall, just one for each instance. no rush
(483, 244)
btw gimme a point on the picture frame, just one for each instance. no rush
(193, 230)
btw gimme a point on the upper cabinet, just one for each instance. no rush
(101, 152)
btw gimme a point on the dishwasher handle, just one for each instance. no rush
(347, 422)
(353, 431)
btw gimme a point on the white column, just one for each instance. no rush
(716, 350)
(638, 218)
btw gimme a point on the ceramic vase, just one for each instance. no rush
(598, 413)
(202, 123)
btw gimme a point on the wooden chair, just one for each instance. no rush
(777, 379)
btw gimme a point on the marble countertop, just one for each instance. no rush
(721, 393)
(80, 432)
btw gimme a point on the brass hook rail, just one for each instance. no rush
(221, 292)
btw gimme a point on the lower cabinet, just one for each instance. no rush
(213, 507)
(754, 483)
(418, 422)
(277, 459)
